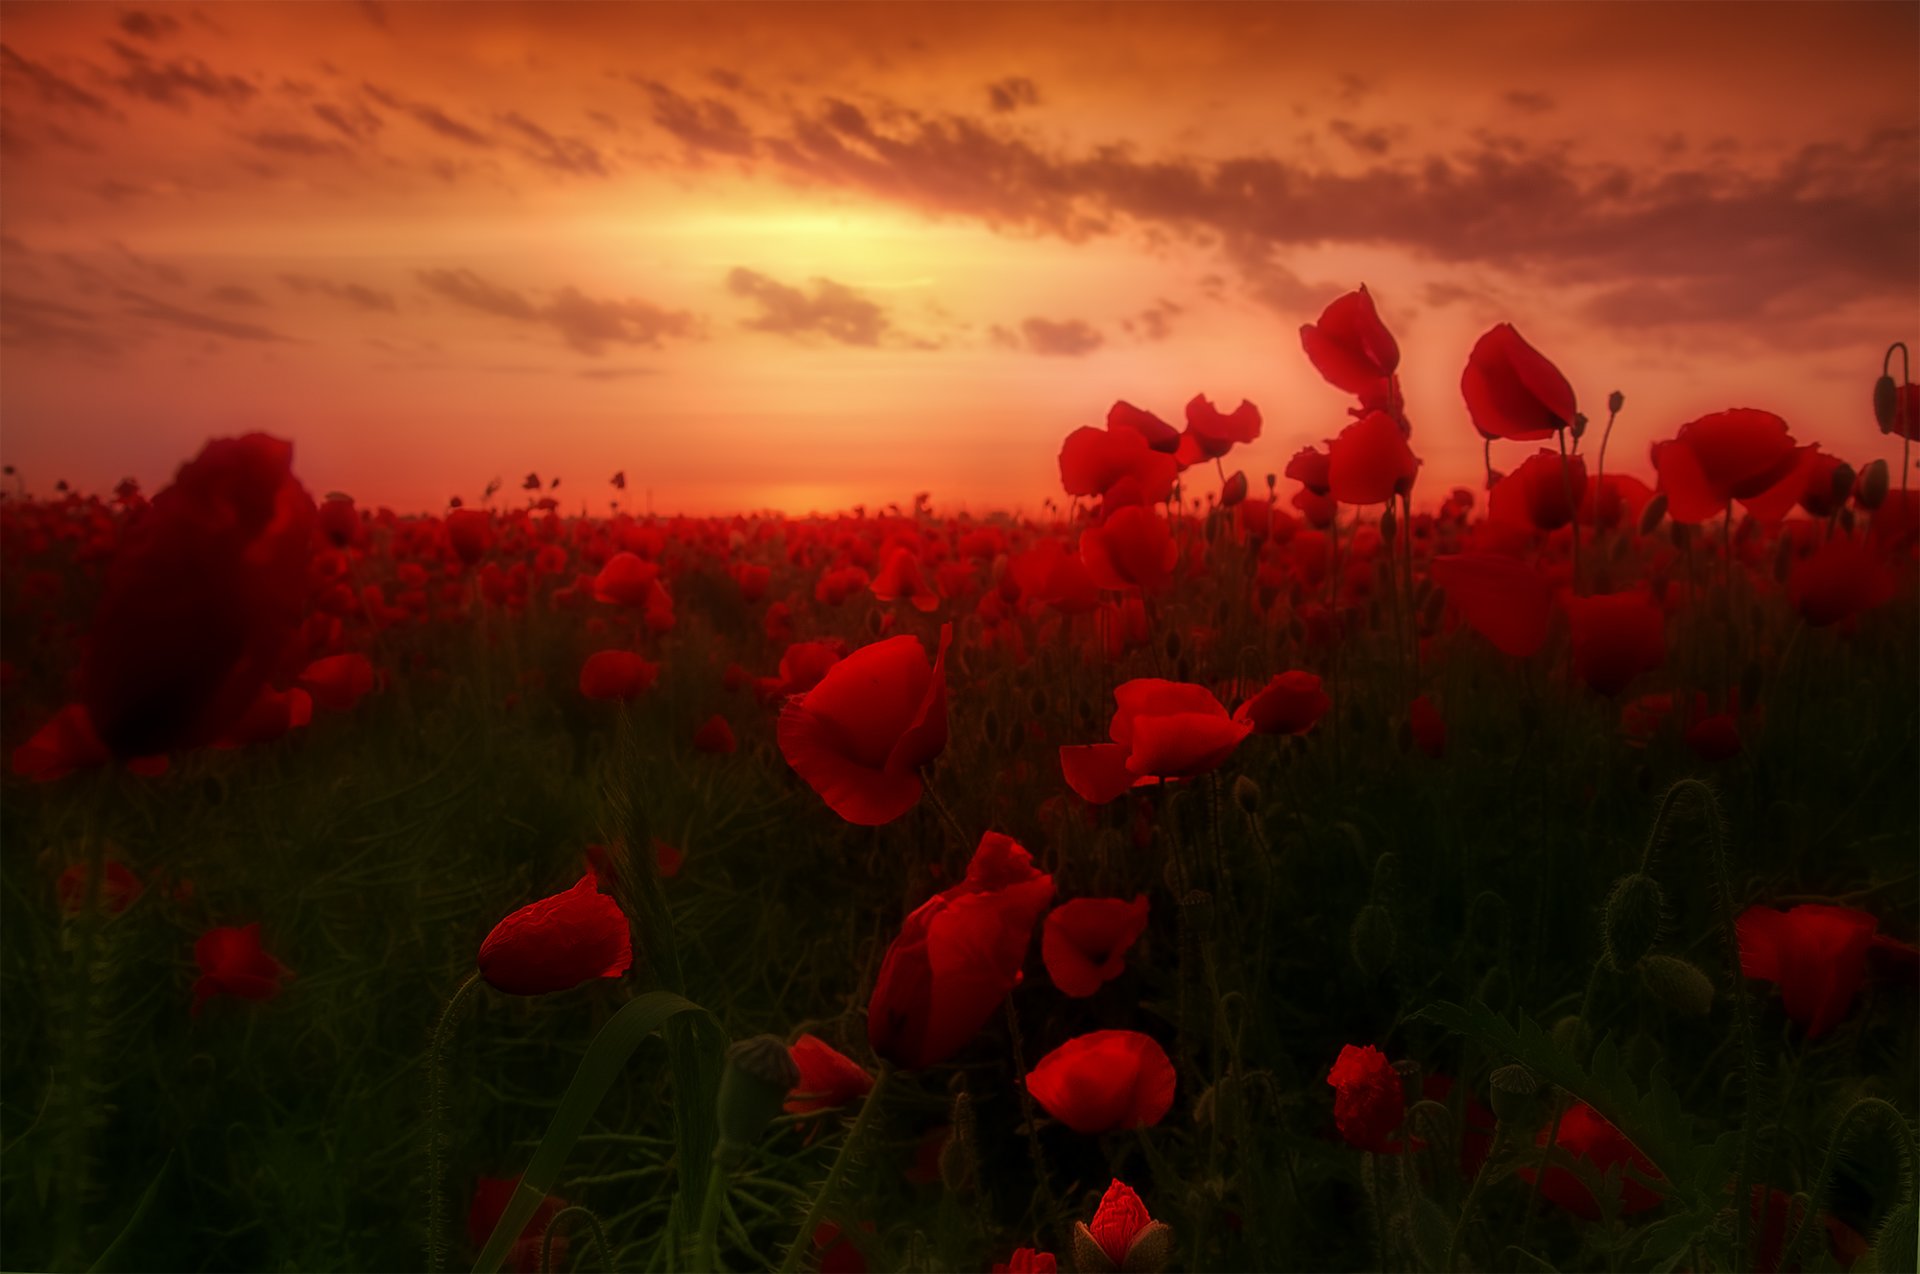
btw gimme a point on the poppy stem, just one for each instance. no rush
(437, 1124)
(946, 815)
(593, 1227)
(1573, 508)
(1452, 1262)
(817, 1210)
(76, 1119)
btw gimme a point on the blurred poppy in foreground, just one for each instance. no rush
(1085, 941)
(861, 734)
(232, 963)
(1104, 1080)
(119, 888)
(616, 674)
(1585, 1135)
(490, 1198)
(558, 943)
(1816, 953)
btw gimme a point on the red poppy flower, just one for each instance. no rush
(860, 736)
(201, 600)
(119, 888)
(1370, 461)
(1211, 434)
(829, 1078)
(957, 956)
(1099, 461)
(232, 963)
(714, 735)
(1715, 737)
(1369, 1100)
(1289, 704)
(667, 860)
(337, 682)
(558, 943)
(1160, 730)
(1428, 728)
(1506, 601)
(1235, 490)
(1585, 1135)
(338, 521)
(490, 1198)
(1131, 549)
(470, 534)
(1104, 1080)
(627, 579)
(1309, 468)
(1121, 1234)
(805, 663)
(1816, 953)
(1824, 490)
(1837, 581)
(1742, 454)
(1350, 346)
(1616, 637)
(1026, 1260)
(1160, 435)
(1537, 493)
(273, 715)
(1616, 499)
(901, 580)
(1049, 574)
(1318, 508)
(1512, 391)
(64, 744)
(616, 674)
(1085, 941)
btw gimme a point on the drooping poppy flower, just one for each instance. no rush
(1210, 433)
(1428, 728)
(1616, 637)
(1816, 953)
(119, 888)
(1370, 461)
(1085, 941)
(1235, 489)
(1104, 1080)
(491, 1195)
(1584, 1134)
(1542, 493)
(1512, 390)
(1131, 549)
(1837, 581)
(829, 1078)
(1094, 462)
(957, 956)
(860, 736)
(616, 674)
(1350, 346)
(1506, 601)
(469, 534)
(201, 600)
(1743, 454)
(337, 682)
(1160, 435)
(1026, 1260)
(714, 735)
(558, 943)
(1369, 1100)
(272, 716)
(1160, 730)
(1289, 704)
(1123, 1236)
(232, 963)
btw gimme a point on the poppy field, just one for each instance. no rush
(1221, 871)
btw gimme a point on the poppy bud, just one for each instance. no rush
(1650, 516)
(1677, 984)
(1846, 520)
(1894, 1245)
(1633, 919)
(1842, 482)
(1513, 1091)
(1271, 479)
(1615, 401)
(1579, 425)
(1871, 492)
(1372, 939)
(760, 1072)
(1572, 1036)
(1246, 794)
(1886, 403)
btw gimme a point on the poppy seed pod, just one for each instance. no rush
(1632, 922)
(1513, 1090)
(759, 1074)
(1886, 402)
(1615, 401)
(1677, 984)
(1651, 516)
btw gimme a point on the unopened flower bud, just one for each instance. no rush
(1632, 922)
(1573, 1036)
(1871, 492)
(1843, 476)
(1388, 524)
(1579, 425)
(1512, 1090)
(1678, 985)
(1651, 515)
(1615, 401)
(1886, 403)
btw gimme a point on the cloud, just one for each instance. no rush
(234, 294)
(293, 142)
(432, 118)
(156, 311)
(707, 125)
(1012, 93)
(52, 89)
(354, 294)
(355, 122)
(562, 154)
(615, 373)
(1367, 141)
(1529, 102)
(833, 310)
(1155, 323)
(152, 27)
(176, 82)
(1072, 338)
(32, 323)
(585, 323)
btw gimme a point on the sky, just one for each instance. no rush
(811, 256)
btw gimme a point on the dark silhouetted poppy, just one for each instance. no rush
(1350, 346)
(1123, 1236)
(1428, 728)
(339, 521)
(490, 1198)
(1541, 493)
(1837, 581)
(616, 674)
(469, 534)
(1815, 952)
(337, 682)
(1131, 549)
(201, 600)
(1506, 601)
(1104, 1080)
(627, 579)
(1743, 454)
(232, 963)
(1026, 1260)
(1234, 491)
(119, 888)
(1211, 433)
(1585, 1135)
(1370, 461)
(1512, 390)
(1289, 704)
(957, 956)
(829, 1078)
(558, 943)
(1369, 1100)
(1085, 941)
(1616, 637)
(861, 734)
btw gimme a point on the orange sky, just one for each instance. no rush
(808, 256)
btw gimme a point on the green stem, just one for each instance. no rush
(1879, 1111)
(594, 1229)
(1566, 483)
(1473, 1199)
(437, 1125)
(818, 1209)
(1749, 1049)
(706, 1250)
